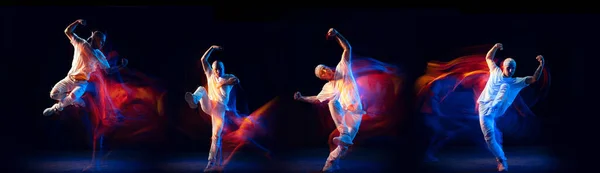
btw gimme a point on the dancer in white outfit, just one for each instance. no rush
(86, 58)
(341, 93)
(214, 103)
(499, 93)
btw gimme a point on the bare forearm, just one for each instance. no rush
(310, 99)
(71, 28)
(346, 55)
(204, 59)
(343, 41)
(538, 72)
(492, 53)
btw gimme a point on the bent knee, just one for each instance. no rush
(55, 95)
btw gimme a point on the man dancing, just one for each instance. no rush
(214, 103)
(499, 93)
(343, 98)
(86, 57)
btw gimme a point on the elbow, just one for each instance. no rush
(68, 32)
(347, 47)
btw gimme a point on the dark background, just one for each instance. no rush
(274, 52)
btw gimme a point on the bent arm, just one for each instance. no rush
(489, 58)
(231, 80)
(346, 55)
(205, 63)
(70, 31)
(536, 76)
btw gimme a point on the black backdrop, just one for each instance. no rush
(273, 53)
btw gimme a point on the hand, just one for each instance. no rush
(215, 47)
(499, 46)
(124, 62)
(540, 59)
(331, 33)
(297, 96)
(81, 21)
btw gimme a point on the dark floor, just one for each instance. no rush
(463, 160)
(478, 160)
(359, 160)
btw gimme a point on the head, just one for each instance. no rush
(97, 39)
(509, 66)
(218, 68)
(324, 73)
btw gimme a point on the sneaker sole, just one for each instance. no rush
(189, 98)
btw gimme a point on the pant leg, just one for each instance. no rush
(335, 109)
(75, 94)
(67, 91)
(201, 96)
(488, 127)
(61, 89)
(352, 121)
(337, 153)
(218, 121)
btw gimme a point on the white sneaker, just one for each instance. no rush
(502, 166)
(331, 166)
(49, 111)
(189, 98)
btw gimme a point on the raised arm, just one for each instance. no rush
(70, 30)
(346, 55)
(489, 57)
(538, 72)
(204, 59)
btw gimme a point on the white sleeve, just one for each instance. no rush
(326, 93)
(520, 82)
(76, 40)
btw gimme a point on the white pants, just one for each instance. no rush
(67, 91)
(217, 113)
(491, 134)
(347, 123)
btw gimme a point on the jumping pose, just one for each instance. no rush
(341, 93)
(86, 58)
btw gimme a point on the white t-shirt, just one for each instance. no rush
(218, 92)
(343, 89)
(500, 90)
(85, 59)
